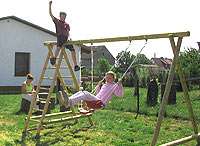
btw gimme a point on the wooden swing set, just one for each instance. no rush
(45, 119)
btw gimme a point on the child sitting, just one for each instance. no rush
(28, 91)
(104, 93)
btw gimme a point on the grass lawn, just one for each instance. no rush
(114, 126)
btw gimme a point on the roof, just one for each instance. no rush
(29, 24)
(103, 48)
(162, 62)
(85, 49)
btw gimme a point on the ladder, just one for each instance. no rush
(40, 119)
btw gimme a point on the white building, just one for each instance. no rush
(22, 51)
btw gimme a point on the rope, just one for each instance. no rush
(130, 42)
(122, 54)
(92, 65)
(134, 60)
(138, 98)
(130, 64)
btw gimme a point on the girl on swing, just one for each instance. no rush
(104, 92)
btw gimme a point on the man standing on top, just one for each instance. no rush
(62, 32)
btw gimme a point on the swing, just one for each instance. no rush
(95, 105)
(92, 62)
(92, 106)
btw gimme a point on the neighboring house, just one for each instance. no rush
(163, 63)
(152, 68)
(99, 52)
(22, 51)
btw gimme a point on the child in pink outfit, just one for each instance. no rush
(103, 93)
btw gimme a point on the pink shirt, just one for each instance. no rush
(107, 90)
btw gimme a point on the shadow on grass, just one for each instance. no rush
(55, 134)
(59, 135)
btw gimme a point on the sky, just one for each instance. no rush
(91, 19)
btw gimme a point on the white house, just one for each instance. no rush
(22, 51)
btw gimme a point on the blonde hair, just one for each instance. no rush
(111, 73)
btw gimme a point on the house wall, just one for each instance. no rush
(99, 52)
(18, 37)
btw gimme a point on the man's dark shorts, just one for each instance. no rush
(61, 40)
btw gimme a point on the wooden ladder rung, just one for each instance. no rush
(66, 76)
(53, 67)
(59, 58)
(51, 115)
(43, 88)
(50, 78)
(43, 101)
(39, 110)
(67, 118)
(43, 93)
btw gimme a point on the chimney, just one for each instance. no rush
(154, 55)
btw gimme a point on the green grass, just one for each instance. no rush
(114, 126)
(128, 104)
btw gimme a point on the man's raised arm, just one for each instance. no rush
(50, 12)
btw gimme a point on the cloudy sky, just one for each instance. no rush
(113, 18)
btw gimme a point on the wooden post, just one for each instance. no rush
(92, 66)
(58, 73)
(182, 140)
(167, 90)
(35, 96)
(49, 95)
(186, 95)
(76, 84)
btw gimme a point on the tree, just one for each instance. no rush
(127, 58)
(124, 61)
(190, 62)
(142, 59)
(102, 67)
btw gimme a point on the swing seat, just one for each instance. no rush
(84, 111)
(92, 106)
(95, 104)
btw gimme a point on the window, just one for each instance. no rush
(22, 63)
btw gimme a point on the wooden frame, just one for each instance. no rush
(126, 38)
(57, 74)
(174, 67)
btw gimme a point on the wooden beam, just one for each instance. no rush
(182, 140)
(66, 118)
(126, 38)
(52, 115)
(186, 95)
(34, 120)
(167, 90)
